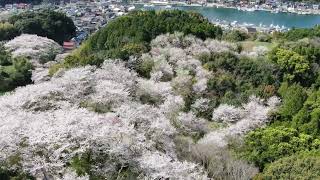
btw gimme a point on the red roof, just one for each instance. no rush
(68, 45)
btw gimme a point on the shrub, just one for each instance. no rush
(296, 34)
(263, 38)
(235, 36)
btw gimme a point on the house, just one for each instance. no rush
(8, 6)
(69, 45)
(250, 30)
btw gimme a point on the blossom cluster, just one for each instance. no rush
(111, 111)
(38, 49)
(46, 125)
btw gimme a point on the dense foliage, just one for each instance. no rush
(7, 31)
(236, 78)
(130, 34)
(235, 36)
(174, 105)
(46, 23)
(146, 125)
(296, 34)
(299, 166)
(266, 145)
(294, 129)
(14, 72)
(290, 70)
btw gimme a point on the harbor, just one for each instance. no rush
(91, 16)
(230, 18)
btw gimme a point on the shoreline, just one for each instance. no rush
(217, 5)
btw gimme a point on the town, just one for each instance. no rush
(90, 16)
(274, 6)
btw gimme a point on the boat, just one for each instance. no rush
(234, 23)
(168, 7)
(159, 2)
(246, 9)
(148, 5)
(250, 9)
(131, 8)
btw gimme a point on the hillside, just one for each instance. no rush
(167, 95)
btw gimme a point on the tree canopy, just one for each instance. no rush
(299, 166)
(8, 31)
(46, 23)
(168, 100)
(138, 28)
(14, 72)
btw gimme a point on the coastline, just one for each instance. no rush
(217, 5)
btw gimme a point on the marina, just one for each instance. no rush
(246, 17)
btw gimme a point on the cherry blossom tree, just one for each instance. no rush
(40, 51)
(126, 120)
(46, 127)
(37, 49)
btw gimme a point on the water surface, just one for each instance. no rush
(257, 18)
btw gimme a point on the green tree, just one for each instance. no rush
(304, 165)
(47, 23)
(140, 27)
(295, 66)
(235, 36)
(7, 31)
(293, 98)
(266, 145)
(16, 72)
(307, 120)
(5, 58)
(296, 34)
(221, 84)
(131, 34)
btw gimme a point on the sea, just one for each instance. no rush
(255, 18)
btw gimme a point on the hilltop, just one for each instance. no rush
(165, 95)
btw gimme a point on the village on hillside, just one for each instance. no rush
(90, 16)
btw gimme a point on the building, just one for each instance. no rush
(69, 45)
(250, 30)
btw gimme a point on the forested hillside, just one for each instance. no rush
(46, 23)
(15, 70)
(166, 95)
(131, 35)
